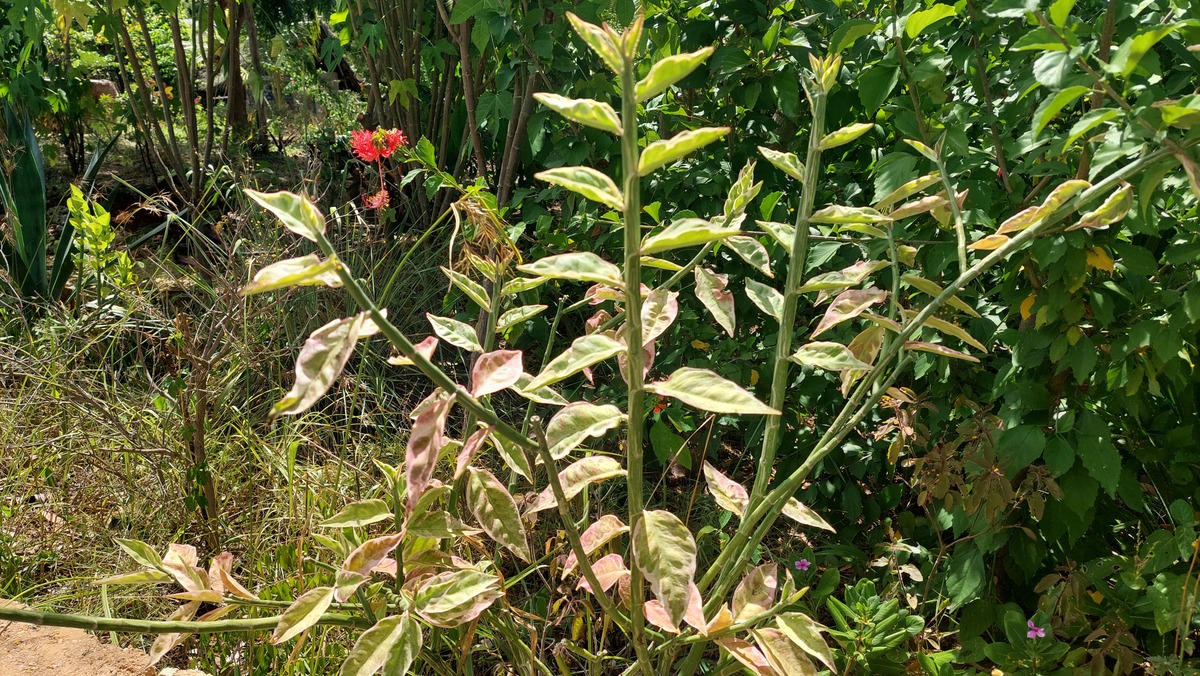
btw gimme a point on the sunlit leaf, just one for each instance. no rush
(136, 577)
(600, 42)
(541, 395)
(752, 251)
(577, 476)
(609, 569)
(663, 549)
(458, 334)
(456, 597)
(358, 514)
(668, 71)
(765, 297)
(586, 181)
(302, 614)
(784, 656)
(394, 641)
(321, 361)
(845, 135)
(425, 441)
(934, 289)
(938, 349)
(678, 146)
(805, 633)
(469, 287)
(141, 552)
(801, 514)
(782, 232)
(296, 212)
(948, 328)
(749, 656)
(307, 270)
(425, 348)
(712, 292)
(844, 278)
(518, 315)
(165, 642)
(728, 494)
(585, 351)
(521, 285)
(909, 189)
(589, 113)
(659, 309)
(788, 163)
(848, 305)
(596, 536)
(989, 243)
(920, 20)
(708, 391)
(837, 214)
(829, 357)
(687, 232)
(1115, 208)
(580, 266)
(755, 594)
(578, 421)
(496, 511)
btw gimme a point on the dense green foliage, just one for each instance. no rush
(1029, 465)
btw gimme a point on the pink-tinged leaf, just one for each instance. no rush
(844, 278)
(908, 190)
(597, 320)
(663, 549)
(865, 348)
(469, 448)
(202, 596)
(232, 586)
(496, 371)
(784, 656)
(345, 583)
(712, 292)
(609, 570)
(599, 293)
(366, 556)
(180, 562)
(750, 657)
(694, 615)
(803, 515)
(948, 328)
(386, 567)
(577, 476)
(1022, 220)
(708, 391)
(457, 597)
(222, 561)
(806, 633)
(425, 442)
(647, 362)
(597, 535)
(393, 641)
(302, 614)
(848, 305)
(659, 310)
(656, 615)
(755, 594)
(729, 494)
(942, 350)
(576, 422)
(883, 322)
(321, 361)
(721, 622)
(164, 642)
(496, 512)
(425, 348)
(921, 206)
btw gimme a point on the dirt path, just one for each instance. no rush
(30, 650)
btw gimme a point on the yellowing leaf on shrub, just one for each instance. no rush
(845, 135)
(296, 212)
(788, 163)
(755, 594)
(1098, 258)
(597, 535)
(456, 597)
(728, 494)
(1112, 210)
(1027, 306)
(700, 345)
(321, 361)
(302, 614)
(989, 243)
(848, 305)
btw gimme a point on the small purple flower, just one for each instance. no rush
(1034, 630)
(803, 564)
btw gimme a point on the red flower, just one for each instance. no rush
(377, 201)
(371, 146)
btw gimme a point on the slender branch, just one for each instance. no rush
(91, 623)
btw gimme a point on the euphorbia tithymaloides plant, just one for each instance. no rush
(748, 611)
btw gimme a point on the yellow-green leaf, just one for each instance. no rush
(664, 152)
(788, 163)
(296, 212)
(307, 270)
(580, 266)
(302, 614)
(708, 391)
(686, 232)
(469, 287)
(584, 352)
(586, 181)
(668, 71)
(841, 214)
(600, 42)
(845, 135)
(589, 113)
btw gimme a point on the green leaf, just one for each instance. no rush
(966, 575)
(321, 361)
(1130, 53)
(925, 150)
(584, 352)
(848, 305)
(589, 113)
(587, 182)
(458, 334)
(668, 71)
(664, 152)
(601, 42)
(1054, 104)
(580, 266)
(841, 214)
(708, 391)
(845, 135)
(456, 597)
(307, 270)
(750, 250)
(669, 448)
(919, 21)
(393, 641)
(686, 232)
(577, 476)
(358, 514)
(935, 290)
(141, 552)
(296, 212)
(518, 315)
(468, 9)
(1060, 11)
(470, 287)
(829, 357)
(576, 422)
(848, 33)
(1011, 9)
(713, 294)
(136, 577)
(663, 549)
(909, 189)
(496, 512)
(766, 298)
(1053, 68)
(806, 634)
(788, 163)
(1019, 446)
(783, 233)
(844, 278)
(521, 285)
(302, 614)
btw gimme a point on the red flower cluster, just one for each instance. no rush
(377, 201)
(371, 146)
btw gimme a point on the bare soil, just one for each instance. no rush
(30, 650)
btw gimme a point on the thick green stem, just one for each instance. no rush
(164, 626)
(795, 276)
(633, 341)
